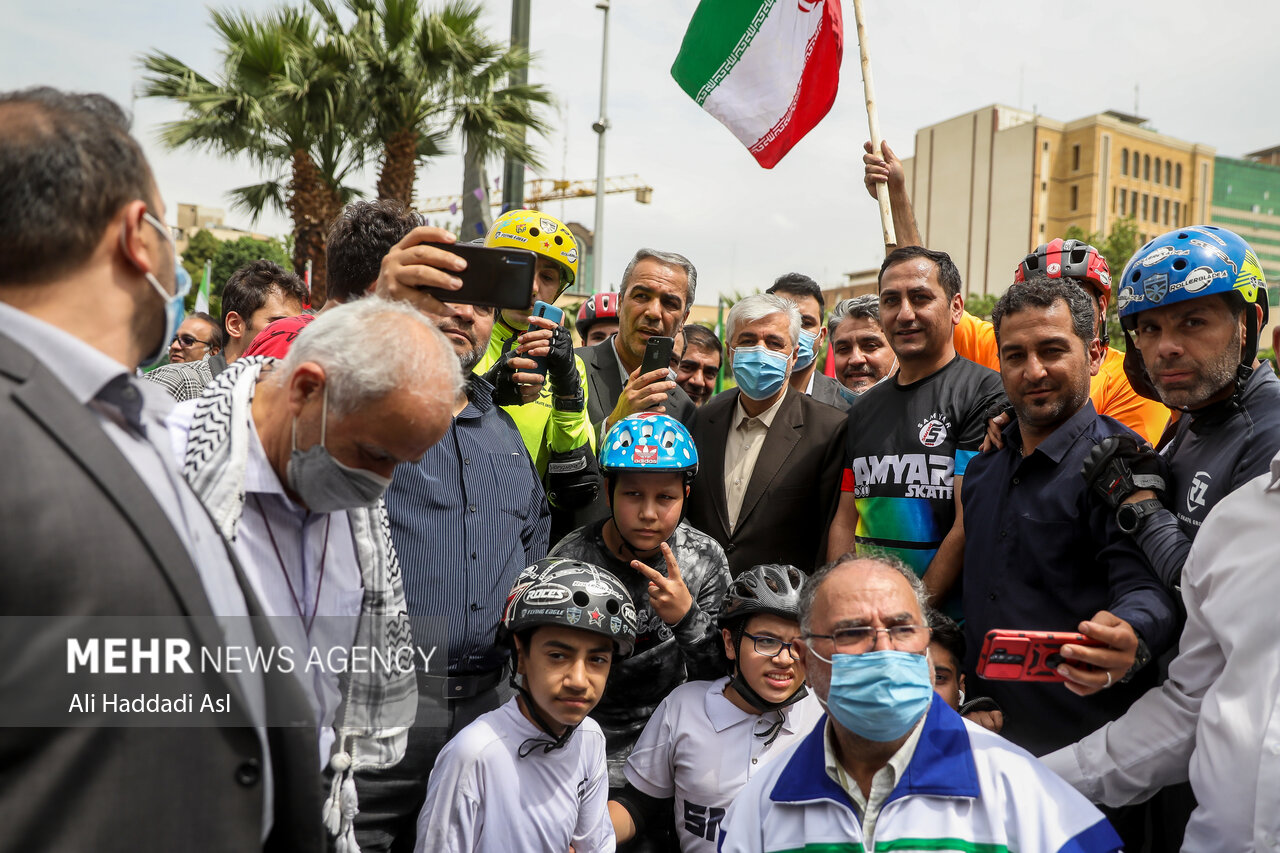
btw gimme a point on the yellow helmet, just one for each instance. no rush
(545, 235)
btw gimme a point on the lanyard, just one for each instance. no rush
(324, 554)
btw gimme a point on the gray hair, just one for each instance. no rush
(809, 593)
(758, 306)
(372, 346)
(670, 259)
(865, 307)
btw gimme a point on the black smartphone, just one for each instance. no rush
(657, 354)
(498, 278)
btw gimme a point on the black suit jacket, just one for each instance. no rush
(605, 383)
(793, 490)
(605, 387)
(83, 540)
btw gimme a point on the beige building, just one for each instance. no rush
(991, 185)
(195, 217)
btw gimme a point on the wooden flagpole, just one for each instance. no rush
(873, 120)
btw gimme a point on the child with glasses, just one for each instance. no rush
(708, 738)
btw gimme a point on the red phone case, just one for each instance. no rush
(1026, 655)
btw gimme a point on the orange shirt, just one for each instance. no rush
(1112, 395)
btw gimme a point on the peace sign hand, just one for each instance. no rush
(668, 596)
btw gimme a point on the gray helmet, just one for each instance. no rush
(771, 588)
(572, 594)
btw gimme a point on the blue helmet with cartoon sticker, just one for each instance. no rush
(1189, 263)
(649, 441)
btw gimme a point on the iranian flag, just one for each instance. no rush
(767, 69)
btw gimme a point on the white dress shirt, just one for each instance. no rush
(86, 373)
(1215, 720)
(309, 575)
(742, 451)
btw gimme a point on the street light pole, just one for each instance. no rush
(513, 170)
(600, 126)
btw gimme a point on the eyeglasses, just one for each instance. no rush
(770, 647)
(855, 641)
(188, 341)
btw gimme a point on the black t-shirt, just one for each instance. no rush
(904, 445)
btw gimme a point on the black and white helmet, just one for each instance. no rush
(572, 594)
(770, 588)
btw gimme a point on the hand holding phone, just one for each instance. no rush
(1009, 655)
(492, 277)
(657, 354)
(547, 312)
(424, 258)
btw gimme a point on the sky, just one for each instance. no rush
(1200, 75)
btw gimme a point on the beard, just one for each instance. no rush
(1211, 377)
(470, 359)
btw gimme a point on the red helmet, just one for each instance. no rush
(1068, 259)
(601, 306)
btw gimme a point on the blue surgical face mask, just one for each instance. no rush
(807, 351)
(759, 371)
(879, 695)
(174, 310)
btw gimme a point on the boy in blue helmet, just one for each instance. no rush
(676, 575)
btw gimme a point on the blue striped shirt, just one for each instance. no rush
(465, 519)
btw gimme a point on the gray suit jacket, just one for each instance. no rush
(793, 490)
(829, 391)
(82, 539)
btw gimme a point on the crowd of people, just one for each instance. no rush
(638, 614)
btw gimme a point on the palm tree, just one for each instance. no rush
(283, 97)
(492, 114)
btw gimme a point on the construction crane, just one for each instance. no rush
(541, 190)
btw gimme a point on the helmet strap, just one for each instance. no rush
(530, 745)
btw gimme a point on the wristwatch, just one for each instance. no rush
(1141, 657)
(1132, 516)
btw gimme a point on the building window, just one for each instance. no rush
(1045, 147)
(1166, 211)
(1124, 197)
(1075, 198)
(1145, 199)
(1177, 176)
(1075, 157)
(1168, 173)
(1157, 170)
(1146, 167)
(1124, 161)
(1177, 212)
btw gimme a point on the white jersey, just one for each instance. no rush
(702, 749)
(484, 797)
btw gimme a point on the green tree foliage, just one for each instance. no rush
(200, 248)
(227, 256)
(284, 99)
(980, 306)
(1117, 247)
